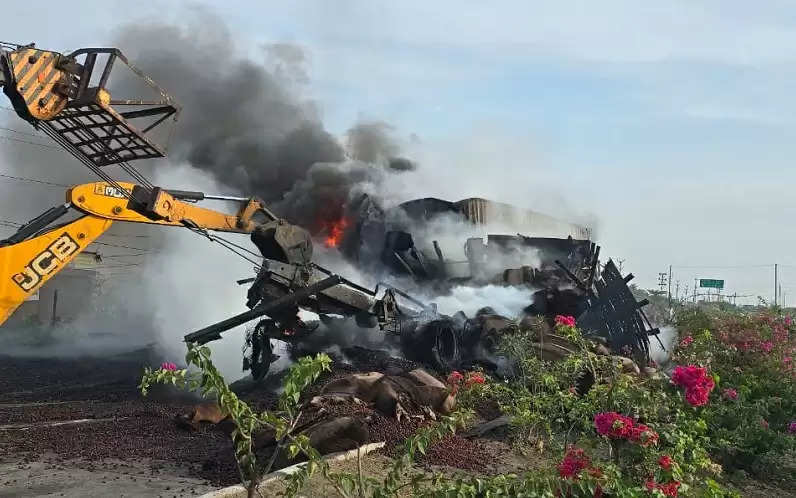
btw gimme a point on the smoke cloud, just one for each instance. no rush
(246, 122)
(240, 121)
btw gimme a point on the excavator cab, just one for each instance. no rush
(67, 97)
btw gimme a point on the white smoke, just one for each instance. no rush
(191, 282)
(506, 301)
(668, 337)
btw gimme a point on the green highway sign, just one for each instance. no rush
(711, 283)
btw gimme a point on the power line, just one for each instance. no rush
(22, 179)
(12, 139)
(122, 235)
(724, 267)
(119, 266)
(120, 246)
(126, 255)
(20, 132)
(11, 222)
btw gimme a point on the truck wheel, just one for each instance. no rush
(444, 342)
(262, 351)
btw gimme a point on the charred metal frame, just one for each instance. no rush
(89, 126)
(100, 133)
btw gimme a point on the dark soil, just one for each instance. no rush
(142, 429)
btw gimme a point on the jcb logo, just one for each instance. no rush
(46, 262)
(108, 191)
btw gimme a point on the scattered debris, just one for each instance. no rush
(392, 394)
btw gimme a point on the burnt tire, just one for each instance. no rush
(435, 343)
(261, 351)
(445, 352)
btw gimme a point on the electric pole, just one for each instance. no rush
(775, 284)
(670, 286)
(695, 289)
(662, 281)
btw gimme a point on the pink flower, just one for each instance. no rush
(792, 427)
(566, 321)
(455, 377)
(613, 425)
(669, 489)
(665, 462)
(171, 367)
(788, 321)
(574, 461)
(767, 346)
(686, 341)
(474, 378)
(764, 423)
(697, 396)
(643, 435)
(730, 394)
(696, 382)
(780, 334)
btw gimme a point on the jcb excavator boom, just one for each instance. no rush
(39, 250)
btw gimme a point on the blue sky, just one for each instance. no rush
(670, 123)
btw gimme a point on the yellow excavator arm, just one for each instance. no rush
(67, 97)
(37, 252)
(27, 265)
(165, 207)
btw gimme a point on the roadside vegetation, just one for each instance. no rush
(721, 414)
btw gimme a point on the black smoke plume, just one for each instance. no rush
(244, 121)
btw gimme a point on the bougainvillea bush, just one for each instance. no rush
(750, 412)
(725, 402)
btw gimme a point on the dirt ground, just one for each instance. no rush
(79, 427)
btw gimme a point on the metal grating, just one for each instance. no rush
(103, 136)
(615, 314)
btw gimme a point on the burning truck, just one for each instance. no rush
(427, 247)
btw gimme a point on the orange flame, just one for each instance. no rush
(336, 233)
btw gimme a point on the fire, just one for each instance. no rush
(336, 231)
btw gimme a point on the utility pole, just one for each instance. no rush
(670, 286)
(775, 284)
(676, 291)
(695, 289)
